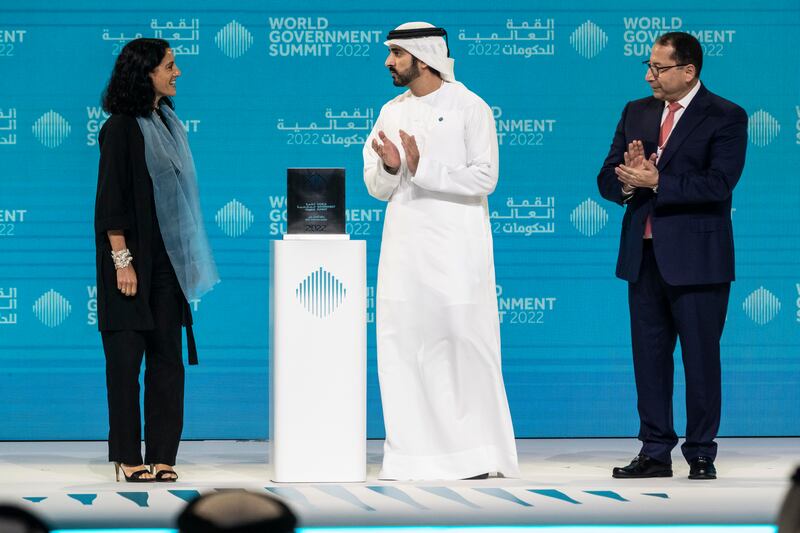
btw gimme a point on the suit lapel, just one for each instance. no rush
(694, 115)
(652, 125)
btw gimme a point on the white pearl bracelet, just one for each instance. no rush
(122, 258)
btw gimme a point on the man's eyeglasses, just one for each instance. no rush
(656, 71)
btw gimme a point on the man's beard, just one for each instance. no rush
(408, 76)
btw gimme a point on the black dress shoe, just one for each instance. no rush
(643, 466)
(702, 468)
(479, 476)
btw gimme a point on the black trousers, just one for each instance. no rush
(163, 378)
(660, 314)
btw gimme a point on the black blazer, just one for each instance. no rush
(125, 202)
(698, 170)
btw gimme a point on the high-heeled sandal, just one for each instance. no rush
(162, 475)
(134, 477)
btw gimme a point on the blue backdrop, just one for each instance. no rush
(266, 87)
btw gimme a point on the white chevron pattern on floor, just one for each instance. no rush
(565, 481)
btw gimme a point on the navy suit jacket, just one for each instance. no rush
(698, 170)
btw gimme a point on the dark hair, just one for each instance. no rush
(236, 511)
(130, 89)
(687, 49)
(789, 516)
(432, 70)
(21, 520)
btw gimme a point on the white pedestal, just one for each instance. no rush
(318, 347)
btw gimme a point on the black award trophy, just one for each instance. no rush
(315, 201)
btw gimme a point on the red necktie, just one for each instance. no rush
(663, 137)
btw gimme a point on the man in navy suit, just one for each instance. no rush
(673, 164)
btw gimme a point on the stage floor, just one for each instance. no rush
(71, 485)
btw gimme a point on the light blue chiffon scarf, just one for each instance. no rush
(171, 167)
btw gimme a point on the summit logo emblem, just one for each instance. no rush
(320, 293)
(234, 219)
(52, 308)
(51, 129)
(589, 218)
(588, 39)
(761, 306)
(234, 40)
(762, 128)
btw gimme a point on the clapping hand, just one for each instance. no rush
(388, 153)
(411, 150)
(637, 171)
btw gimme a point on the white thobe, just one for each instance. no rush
(444, 403)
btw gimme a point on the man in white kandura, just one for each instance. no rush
(433, 155)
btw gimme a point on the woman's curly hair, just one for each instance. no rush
(130, 89)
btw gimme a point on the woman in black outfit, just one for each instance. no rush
(142, 305)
